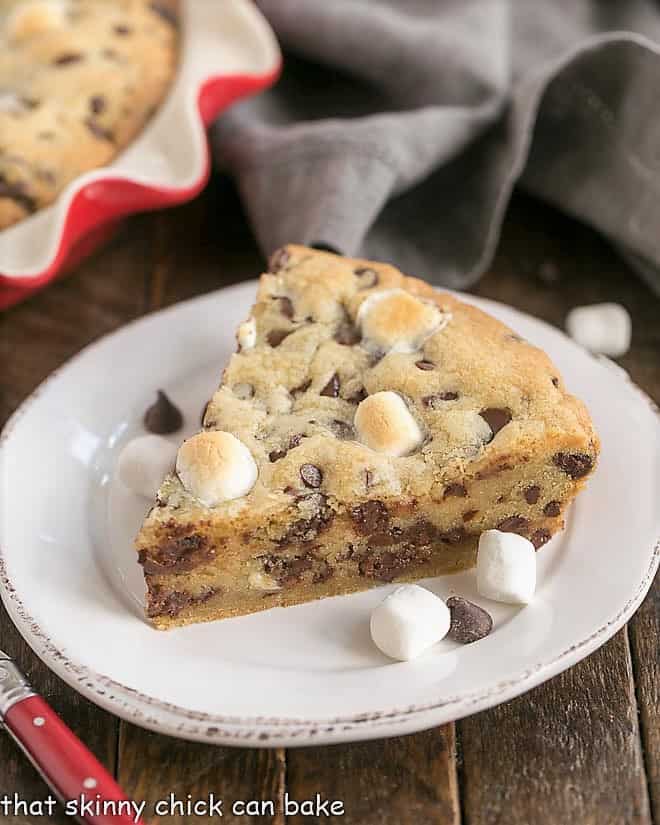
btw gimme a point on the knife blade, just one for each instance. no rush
(67, 766)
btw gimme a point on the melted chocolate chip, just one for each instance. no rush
(347, 334)
(17, 192)
(368, 277)
(286, 306)
(164, 11)
(357, 396)
(540, 537)
(368, 479)
(163, 602)
(278, 260)
(496, 418)
(97, 104)
(575, 465)
(275, 455)
(532, 494)
(468, 515)
(552, 509)
(121, 30)
(370, 517)
(555, 382)
(311, 475)
(331, 389)
(342, 429)
(513, 524)
(458, 490)
(163, 417)
(469, 622)
(67, 59)
(307, 529)
(276, 336)
(425, 365)
(435, 401)
(294, 442)
(99, 131)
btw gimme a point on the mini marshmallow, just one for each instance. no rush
(395, 320)
(215, 466)
(247, 334)
(384, 423)
(144, 462)
(602, 328)
(506, 567)
(33, 18)
(408, 622)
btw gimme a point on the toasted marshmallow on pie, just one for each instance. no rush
(247, 334)
(395, 320)
(384, 423)
(215, 466)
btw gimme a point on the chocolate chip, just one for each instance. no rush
(357, 396)
(342, 429)
(67, 59)
(468, 515)
(275, 455)
(331, 389)
(435, 401)
(513, 524)
(368, 277)
(163, 417)
(425, 365)
(458, 490)
(552, 509)
(368, 479)
(347, 334)
(18, 192)
(97, 104)
(286, 306)
(311, 475)
(121, 30)
(454, 536)
(164, 11)
(540, 537)
(496, 418)
(575, 465)
(276, 336)
(243, 391)
(278, 260)
(469, 622)
(301, 388)
(203, 415)
(99, 131)
(532, 494)
(555, 381)
(370, 517)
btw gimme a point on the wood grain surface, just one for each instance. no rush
(584, 748)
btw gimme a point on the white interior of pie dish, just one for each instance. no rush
(224, 38)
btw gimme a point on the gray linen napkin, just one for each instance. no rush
(400, 127)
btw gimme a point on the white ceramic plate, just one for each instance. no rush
(309, 673)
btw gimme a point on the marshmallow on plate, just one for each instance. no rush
(506, 567)
(409, 621)
(602, 328)
(385, 424)
(394, 320)
(144, 462)
(215, 466)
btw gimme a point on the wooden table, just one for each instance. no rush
(582, 749)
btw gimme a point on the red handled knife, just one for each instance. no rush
(64, 762)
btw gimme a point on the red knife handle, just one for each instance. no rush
(65, 763)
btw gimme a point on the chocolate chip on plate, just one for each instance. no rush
(469, 622)
(163, 417)
(331, 389)
(496, 418)
(311, 475)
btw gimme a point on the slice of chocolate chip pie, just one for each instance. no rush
(367, 430)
